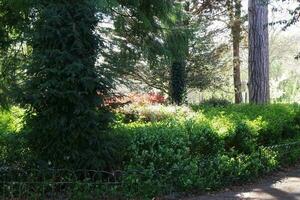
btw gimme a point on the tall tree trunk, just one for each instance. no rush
(259, 89)
(235, 22)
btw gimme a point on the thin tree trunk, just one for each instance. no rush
(259, 90)
(236, 39)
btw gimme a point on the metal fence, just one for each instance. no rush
(63, 184)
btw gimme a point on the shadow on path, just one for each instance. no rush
(282, 186)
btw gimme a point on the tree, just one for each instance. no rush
(194, 56)
(234, 9)
(135, 38)
(259, 90)
(178, 38)
(65, 119)
(171, 53)
(71, 70)
(295, 17)
(229, 12)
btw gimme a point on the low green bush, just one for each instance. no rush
(270, 123)
(242, 139)
(209, 149)
(213, 102)
(201, 150)
(150, 113)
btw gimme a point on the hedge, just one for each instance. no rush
(181, 150)
(213, 148)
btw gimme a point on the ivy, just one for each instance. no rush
(64, 126)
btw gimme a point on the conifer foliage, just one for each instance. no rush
(14, 20)
(61, 85)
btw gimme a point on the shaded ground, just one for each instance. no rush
(284, 185)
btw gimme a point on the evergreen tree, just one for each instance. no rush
(136, 38)
(178, 38)
(174, 53)
(61, 85)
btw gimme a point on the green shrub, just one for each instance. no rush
(213, 102)
(207, 150)
(66, 116)
(241, 139)
(151, 113)
(270, 123)
(13, 150)
(203, 141)
(196, 151)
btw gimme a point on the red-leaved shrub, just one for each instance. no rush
(135, 98)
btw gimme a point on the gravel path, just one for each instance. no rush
(284, 185)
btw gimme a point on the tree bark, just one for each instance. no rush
(259, 89)
(235, 26)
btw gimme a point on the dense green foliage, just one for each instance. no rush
(61, 64)
(50, 66)
(10, 120)
(12, 150)
(213, 102)
(14, 22)
(134, 35)
(208, 150)
(177, 40)
(187, 151)
(63, 126)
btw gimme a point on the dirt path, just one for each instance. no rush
(281, 186)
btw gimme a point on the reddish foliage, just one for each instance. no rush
(136, 98)
(155, 98)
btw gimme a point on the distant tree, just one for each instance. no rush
(171, 55)
(134, 38)
(229, 12)
(290, 88)
(259, 90)
(295, 18)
